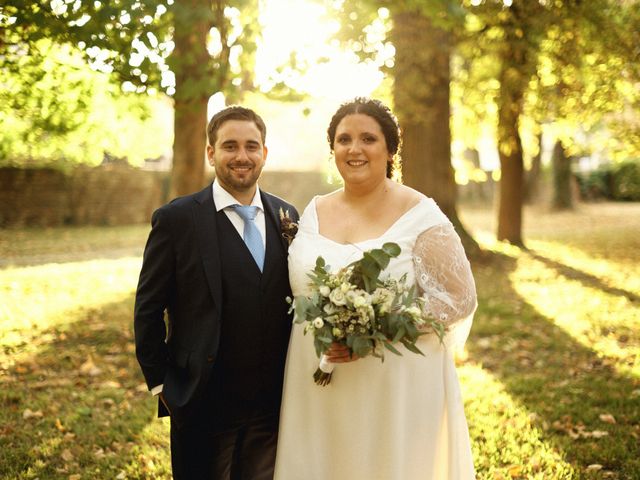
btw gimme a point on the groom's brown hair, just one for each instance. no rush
(234, 112)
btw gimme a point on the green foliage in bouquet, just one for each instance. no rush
(357, 308)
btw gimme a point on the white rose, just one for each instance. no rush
(324, 291)
(350, 296)
(317, 322)
(337, 297)
(330, 309)
(359, 301)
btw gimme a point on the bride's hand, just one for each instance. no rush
(338, 353)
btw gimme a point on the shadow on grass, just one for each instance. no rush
(586, 278)
(76, 407)
(565, 385)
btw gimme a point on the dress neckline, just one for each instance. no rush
(401, 217)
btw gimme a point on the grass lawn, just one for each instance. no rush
(550, 375)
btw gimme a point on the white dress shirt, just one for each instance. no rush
(224, 200)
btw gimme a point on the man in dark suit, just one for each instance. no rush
(216, 263)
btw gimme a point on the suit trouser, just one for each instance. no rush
(242, 451)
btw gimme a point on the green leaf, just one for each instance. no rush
(399, 334)
(390, 347)
(381, 258)
(369, 267)
(305, 309)
(411, 347)
(361, 346)
(392, 249)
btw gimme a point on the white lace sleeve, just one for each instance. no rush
(444, 276)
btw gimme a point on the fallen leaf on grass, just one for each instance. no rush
(31, 414)
(50, 383)
(578, 430)
(59, 425)
(75, 476)
(90, 368)
(594, 467)
(515, 471)
(608, 418)
(66, 455)
(110, 384)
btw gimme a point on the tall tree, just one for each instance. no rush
(532, 178)
(143, 43)
(421, 95)
(549, 44)
(561, 163)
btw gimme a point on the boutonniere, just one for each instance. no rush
(288, 227)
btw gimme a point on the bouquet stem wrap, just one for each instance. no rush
(325, 365)
(322, 375)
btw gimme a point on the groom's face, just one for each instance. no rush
(238, 155)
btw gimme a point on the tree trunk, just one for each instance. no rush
(513, 83)
(561, 163)
(190, 63)
(421, 97)
(532, 180)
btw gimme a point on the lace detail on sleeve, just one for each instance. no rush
(444, 275)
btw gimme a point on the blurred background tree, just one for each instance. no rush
(57, 111)
(188, 49)
(566, 64)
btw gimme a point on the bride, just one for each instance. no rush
(402, 419)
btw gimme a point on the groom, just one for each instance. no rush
(216, 263)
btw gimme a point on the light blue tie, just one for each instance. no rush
(251, 234)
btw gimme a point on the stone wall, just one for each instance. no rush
(114, 194)
(119, 194)
(109, 195)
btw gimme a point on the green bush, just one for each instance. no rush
(596, 184)
(626, 181)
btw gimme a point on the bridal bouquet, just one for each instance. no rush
(357, 308)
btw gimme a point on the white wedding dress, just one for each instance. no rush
(401, 419)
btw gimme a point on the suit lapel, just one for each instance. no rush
(205, 225)
(274, 213)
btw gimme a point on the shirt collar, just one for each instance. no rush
(224, 199)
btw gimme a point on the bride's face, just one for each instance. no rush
(360, 149)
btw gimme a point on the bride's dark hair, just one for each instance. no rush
(381, 114)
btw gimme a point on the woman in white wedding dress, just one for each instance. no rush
(401, 419)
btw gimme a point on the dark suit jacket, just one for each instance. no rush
(181, 275)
